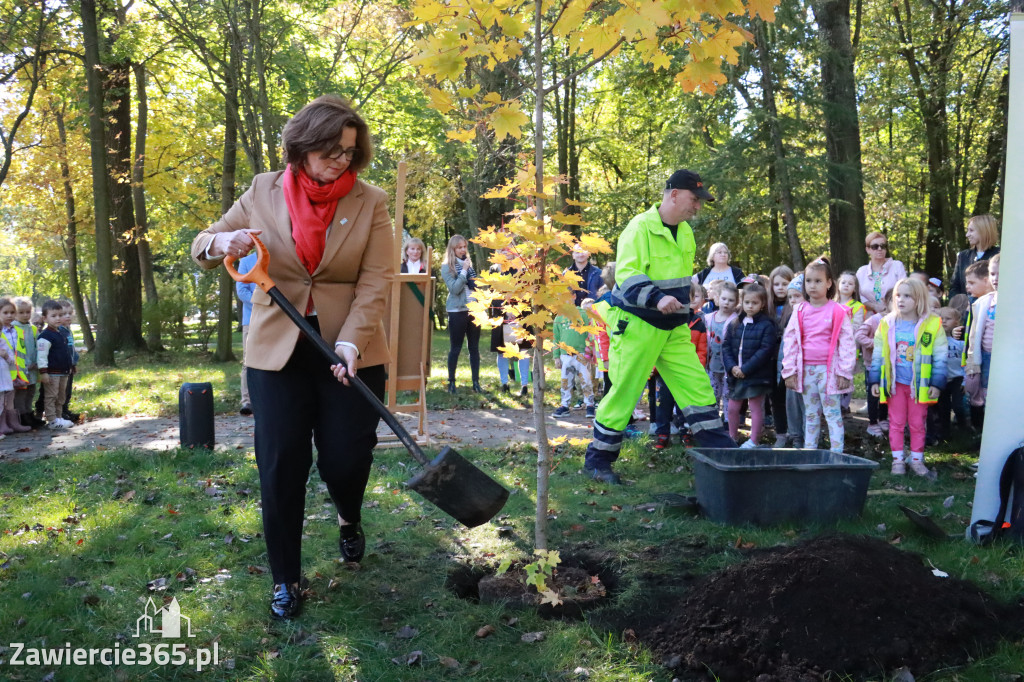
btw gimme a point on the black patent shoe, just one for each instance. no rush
(286, 601)
(352, 543)
(451, 387)
(477, 388)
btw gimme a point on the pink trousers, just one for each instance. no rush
(903, 409)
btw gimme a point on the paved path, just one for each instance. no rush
(459, 428)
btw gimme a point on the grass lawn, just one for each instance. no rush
(147, 384)
(87, 538)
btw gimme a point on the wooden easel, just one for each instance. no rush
(408, 330)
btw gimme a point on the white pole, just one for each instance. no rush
(1004, 412)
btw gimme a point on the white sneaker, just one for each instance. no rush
(884, 425)
(875, 430)
(58, 423)
(749, 445)
(68, 423)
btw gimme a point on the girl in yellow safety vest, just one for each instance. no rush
(848, 293)
(908, 370)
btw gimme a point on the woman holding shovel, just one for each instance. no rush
(329, 239)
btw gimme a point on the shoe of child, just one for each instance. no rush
(918, 467)
(631, 432)
(524, 391)
(875, 430)
(504, 388)
(662, 442)
(899, 467)
(781, 441)
(577, 405)
(561, 411)
(884, 425)
(58, 423)
(591, 411)
(640, 415)
(749, 445)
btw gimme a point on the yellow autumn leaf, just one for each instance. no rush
(571, 18)
(512, 26)
(500, 191)
(508, 120)
(568, 218)
(440, 100)
(595, 243)
(762, 8)
(560, 440)
(513, 352)
(468, 93)
(705, 75)
(598, 39)
(492, 98)
(573, 202)
(461, 135)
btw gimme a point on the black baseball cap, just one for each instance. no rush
(687, 179)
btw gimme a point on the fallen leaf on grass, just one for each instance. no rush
(260, 570)
(406, 632)
(485, 631)
(411, 658)
(531, 637)
(449, 663)
(948, 502)
(550, 597)
(157, 585)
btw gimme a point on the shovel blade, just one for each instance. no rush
(461, 490)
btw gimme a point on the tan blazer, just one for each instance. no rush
(349, 287)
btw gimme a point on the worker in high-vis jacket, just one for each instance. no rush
(647, 326)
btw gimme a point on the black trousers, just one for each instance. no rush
(301, 401)
(462, 327)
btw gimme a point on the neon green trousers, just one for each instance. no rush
(636, 347)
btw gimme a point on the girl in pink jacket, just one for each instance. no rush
(819, 355)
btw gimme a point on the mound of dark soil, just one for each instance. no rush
(839, 604)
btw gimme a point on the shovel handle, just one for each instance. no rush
(258, 275)
(261, 278)
(314, 337)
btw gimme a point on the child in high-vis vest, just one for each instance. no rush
(820, 355)
(8, 366)
(26, 350)
(578, 366)
(849, 295)
(908, 370)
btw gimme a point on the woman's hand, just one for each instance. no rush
(842, 383)
(236, 244)
(933, 393)
(791, 382)
(738, 373)
(350, 355)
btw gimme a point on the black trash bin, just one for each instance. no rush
(195, 415)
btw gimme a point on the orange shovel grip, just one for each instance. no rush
(258, 275)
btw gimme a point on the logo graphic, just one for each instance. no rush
(170, 620)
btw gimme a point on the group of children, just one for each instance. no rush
(35, 350)
(791, 344)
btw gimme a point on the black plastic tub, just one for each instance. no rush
(769, 486)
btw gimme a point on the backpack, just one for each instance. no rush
(1011, 480)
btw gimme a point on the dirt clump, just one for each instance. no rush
(830, 606)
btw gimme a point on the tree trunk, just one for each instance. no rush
(994, 151)
(128, 277)
(141, 220)
(842, 136)
(71, 237)
(540, 532)
(105, 313)
(796, 255)
(224, 352)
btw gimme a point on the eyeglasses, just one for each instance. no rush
(878, 247)
(337, 153)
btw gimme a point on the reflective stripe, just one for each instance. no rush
(606, 447)
(633, 281)
(602, 430)
(707, 424)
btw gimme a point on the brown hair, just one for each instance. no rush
(6, 301)
(318, 127)
(977, 270)
(823, 265)
(987, 228)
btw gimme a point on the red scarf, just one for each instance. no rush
(311, 207)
